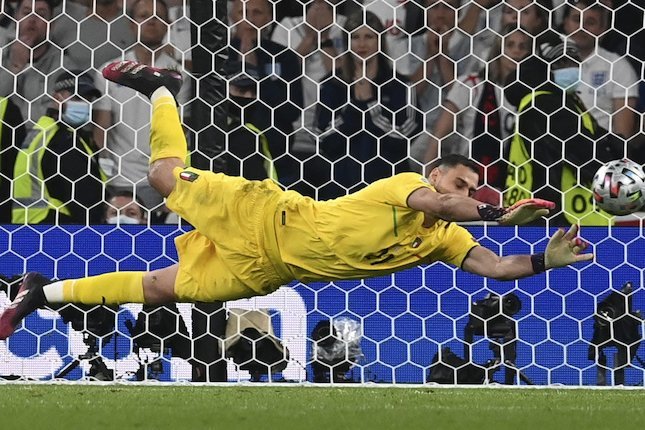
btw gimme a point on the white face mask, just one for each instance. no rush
(122, 219)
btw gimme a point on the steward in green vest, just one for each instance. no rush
(57, 178)
(251, 138)
(558, 145)
(12, 134)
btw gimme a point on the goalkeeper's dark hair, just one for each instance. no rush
(453, 160)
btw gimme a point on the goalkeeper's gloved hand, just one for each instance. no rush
(565, 248)
(522, 212)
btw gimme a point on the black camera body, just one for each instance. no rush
(97, 323)
(325, 337)
(615, 325)
(158, 329)
(491, 316)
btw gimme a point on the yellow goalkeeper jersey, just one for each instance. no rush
(368, 233)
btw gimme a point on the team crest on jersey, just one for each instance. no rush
(598, 78)
(188, 176)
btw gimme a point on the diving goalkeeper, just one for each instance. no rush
(251, 237)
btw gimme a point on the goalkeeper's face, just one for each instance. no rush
(458, 179)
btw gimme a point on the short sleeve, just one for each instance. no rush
(625, 77)
(459, 93)
(396, 190)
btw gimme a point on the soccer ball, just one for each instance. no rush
(619, 187)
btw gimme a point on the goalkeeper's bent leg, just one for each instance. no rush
(168, 147)
(156, 287)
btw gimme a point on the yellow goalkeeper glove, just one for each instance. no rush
(565, 248)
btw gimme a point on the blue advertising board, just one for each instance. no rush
(406, 317)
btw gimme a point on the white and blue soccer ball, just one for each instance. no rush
(619, 187)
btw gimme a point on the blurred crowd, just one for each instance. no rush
(324, 97)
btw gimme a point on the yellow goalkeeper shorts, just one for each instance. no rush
(232, 253)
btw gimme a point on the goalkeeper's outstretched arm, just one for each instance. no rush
(456, 207)
(563, 249)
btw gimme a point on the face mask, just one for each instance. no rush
(76, 113)
(567, 78)
(122, 219)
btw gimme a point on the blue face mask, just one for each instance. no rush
(76, 113)
(567, 78)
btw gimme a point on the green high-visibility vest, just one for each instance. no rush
(578, 205)
(264, 148)
(3, 109)
(31, 199)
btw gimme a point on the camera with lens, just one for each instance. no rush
(336, 349)
(615, 325)
(492, 317)
(617, 308)
(158, 330)
(492, 314)
(94, 322)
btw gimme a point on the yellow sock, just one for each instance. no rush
(167, 139)
(109, 288)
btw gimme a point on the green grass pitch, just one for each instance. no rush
(321, 408)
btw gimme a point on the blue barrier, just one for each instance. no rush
(407, 317)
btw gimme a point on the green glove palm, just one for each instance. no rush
(566, 248)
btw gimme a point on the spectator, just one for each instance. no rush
(179, 37)
(476, 109)
(367, 112)
(626, 19)
(7, 27)
(440, 47)
(57, 178)
(68, 16)
(483, 20)
(609, 85)
(123, 208)
(12, 134)
(250, 135)
(564, 141)
(318, 39)
(394, 16)
(280, 71)
(105, 33)
(30, 62)
(123, 115)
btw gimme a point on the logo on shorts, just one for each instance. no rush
(188, 176)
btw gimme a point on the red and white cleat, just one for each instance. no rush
(142, 78)
(29, 298)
